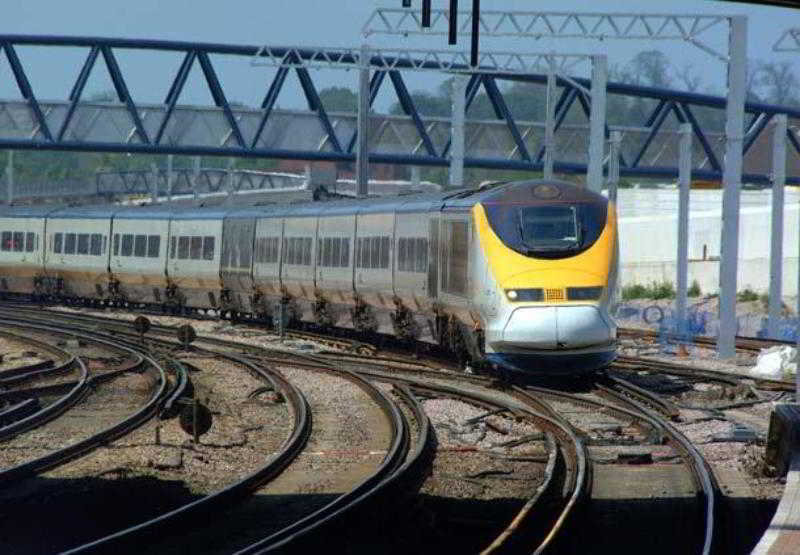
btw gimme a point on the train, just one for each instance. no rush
(515, 275)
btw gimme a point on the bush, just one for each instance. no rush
(635, 291)
(663, 290)
(694, 290)
(747, 295)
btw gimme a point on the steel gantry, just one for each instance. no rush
(648, 147)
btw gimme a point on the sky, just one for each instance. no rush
(317, 23)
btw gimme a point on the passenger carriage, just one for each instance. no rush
(193, 268)
(22, 248)
(139, 255)
(77, 252)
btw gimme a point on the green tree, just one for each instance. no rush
(339, 99)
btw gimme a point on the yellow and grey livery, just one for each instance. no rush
(521, 274)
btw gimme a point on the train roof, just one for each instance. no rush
(28, 211)
(144, 212)
(457, 200)
(103, 211)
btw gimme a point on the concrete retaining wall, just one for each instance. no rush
(649, 228)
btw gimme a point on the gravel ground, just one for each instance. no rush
(243, 436)
(344, 448)
(471, 461)
(108, 404)
(16, 354)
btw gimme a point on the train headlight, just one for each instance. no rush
(584, 293)
(525, 295)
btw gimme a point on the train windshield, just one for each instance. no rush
(549, 228)
(546, 219)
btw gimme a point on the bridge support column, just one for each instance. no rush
(154, 186)
(362, 148)
(776, 237)
(195, 177)
(597, 123)
(550, 122)
(456, 178)
(613, 165)
(684, 184)
(169, 178)
(10, 177)
(732, 185)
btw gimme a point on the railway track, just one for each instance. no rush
(570, 446)
(70, 438)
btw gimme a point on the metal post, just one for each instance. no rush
(613, 165)
(549, 122)
(195, 434)
(195, 176)
(154, 187)
(415, 176)
(362, 150)
(684, 183)
(597, 123)
(10, 177)
(731, 182)
(169, 178)
(776, 237)
(229, 179)
(459, 106)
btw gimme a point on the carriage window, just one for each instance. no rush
(116, 244)
(307, 243)
(69, 243)
(58, 242)
(6, 246)
(325, 251)
(269, 250)
(245, 250)
(336, 252)
(127, 245)
(183, 248)
(29, 241)
(140, 246)
(345, 260)
(19, 241)
(422, 255)
(454, 258)
(260, 252)
(172, 245)
(402, 256)
(208, 248)
(153, 246)
(196, 248)
(96, 244)
(385, 247)
(105, 243)
(83, 243)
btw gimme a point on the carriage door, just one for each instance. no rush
(433, 256)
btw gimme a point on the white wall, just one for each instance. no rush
(648, 238)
